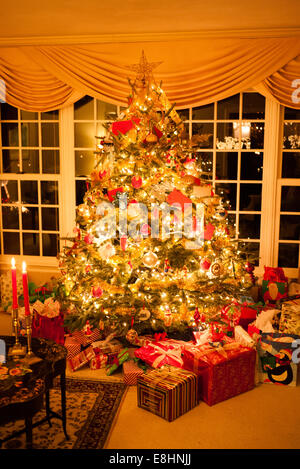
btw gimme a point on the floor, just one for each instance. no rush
(267, 417)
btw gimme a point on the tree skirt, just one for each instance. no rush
(91, 409)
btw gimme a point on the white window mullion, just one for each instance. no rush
(269, 222)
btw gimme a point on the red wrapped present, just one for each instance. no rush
(72, 346)
(224, 371)
(87, 338)
(51, 328)
(131, 372)
(83, 358)
(168, 392)
(161, 353)
(98, 362)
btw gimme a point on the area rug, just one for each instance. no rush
(91, 409)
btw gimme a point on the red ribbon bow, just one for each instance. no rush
(158, 336)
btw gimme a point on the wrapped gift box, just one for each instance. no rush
(98, 362)
(72, 346)
(278, 357)
(131, 372)
(83, 358)
(290, 318)
(112, 347)
(86, 339)
(168, 392)
(158, 354)
(224, 371)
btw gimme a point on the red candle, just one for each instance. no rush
(25, 289)
(14, 283)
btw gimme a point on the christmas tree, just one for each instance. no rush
(153, 249)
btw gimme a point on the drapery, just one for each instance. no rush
(194, 72)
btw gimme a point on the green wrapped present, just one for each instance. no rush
(118, 360)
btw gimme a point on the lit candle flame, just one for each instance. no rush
(13, 263)
(24, 268)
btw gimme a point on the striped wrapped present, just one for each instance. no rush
(86, 339)
(98, 362)
(131, 372)
(168, 392)
(83, 358)
(107, 346)
(73, 346)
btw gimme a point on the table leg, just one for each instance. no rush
(28, 425)
(63, 403)
(48, 408)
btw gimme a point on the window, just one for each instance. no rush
(30, 178)
(288, 193)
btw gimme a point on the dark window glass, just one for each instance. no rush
(49, 192)
(291, 114)
(29, 116)
(203, 135)
(84, 109)
(50, 161)
(9, 192)
(50, 244)
(257, 132)
(249, 226)
(228, 108)
(290, 199)
(291, 137)
(8, 113)
(106, 111)
(9, 133)
(184, 114)
(84, 162)
(289, 227)
(31, 244)
(250, 197)
(50, 134)
(30, 218)
(80, 191)
(30, 161)
(50, 220)
(250, 252)
(226, 165)
(10, 160)
(251, 165)
(203, 112)
(84, 135)
(227, 136)
(228, 193)
(11, 243)
(288, 255)
(29, 192)
(291, 165)
(204, 163)
(50, 115)
(253, 106)
(30, 134)
(10, 218)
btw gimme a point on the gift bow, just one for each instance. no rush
(159, 336)
(221, 349)
(174, 354)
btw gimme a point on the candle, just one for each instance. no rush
(14, 283)
(25, 289)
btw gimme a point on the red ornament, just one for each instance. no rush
(88, 239)
(137, 182)
(249, 269)
(205, 264)
(197, 316)
(97, 292)
(123, 242)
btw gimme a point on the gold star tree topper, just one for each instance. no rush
(144, 69)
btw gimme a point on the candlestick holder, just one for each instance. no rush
(17, 350)
(29, 355)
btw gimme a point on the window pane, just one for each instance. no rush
(251, 252)
(10, 137)
(106, 111)
(291, 165)
(250, 197)
(29, 192)
(50, 134)
(11, 243)
(251, 165)
(291, 114)
(203, 112)
(10, 218)
(9, 192)
(204, 162)
(257, 135)
(50, 115)
(80, 191)
(227, 136)
(288, 255)
(30, 135)
(49, 192)
(29, 116)
(249, 226)
(50, 161)
(253, 106)
(228, 193)
(226, 165)
(84, 162)
(291, 138)
(50, 220)
(228, 108)
(184, 114)
(84, 135)
(50, 244)
(289, 227)
(31, 244)
(30, 161)
(8, 113)
(84, 109)
(290, 196)
(202, 135)
(10, 161)
(30, 218)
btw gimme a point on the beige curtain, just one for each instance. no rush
(194, 72)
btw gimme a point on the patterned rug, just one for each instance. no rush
(91, 409)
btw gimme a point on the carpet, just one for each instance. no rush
(91, 409)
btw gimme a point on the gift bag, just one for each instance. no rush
(48, 328)
(290, 318)
(279, 358)
(274, 284)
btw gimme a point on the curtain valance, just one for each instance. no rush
(194, 72)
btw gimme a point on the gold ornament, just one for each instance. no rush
(150, 259)
(216, 269)
(144, 314)
(132, 336)
(151, 138)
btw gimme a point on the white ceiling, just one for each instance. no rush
(19, 18)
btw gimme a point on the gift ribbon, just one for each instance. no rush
(171, 373)
(174, 354)
(159, 336)
(201, 354)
